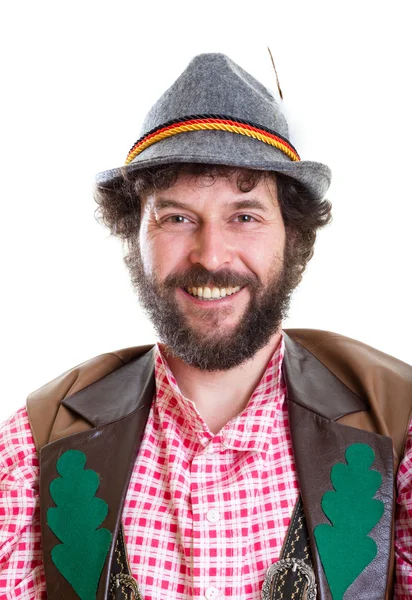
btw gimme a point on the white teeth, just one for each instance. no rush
(212, 293)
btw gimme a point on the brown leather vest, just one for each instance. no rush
(339, 391)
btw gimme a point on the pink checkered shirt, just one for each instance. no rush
(205, 515)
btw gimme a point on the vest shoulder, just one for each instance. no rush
(382, 381)
(44, 404)
(327, 343)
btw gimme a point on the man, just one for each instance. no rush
(233, 458)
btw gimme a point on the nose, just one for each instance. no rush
(210, 248)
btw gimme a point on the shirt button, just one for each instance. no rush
(212, 516)
(211, 593)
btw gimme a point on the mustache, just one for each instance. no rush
(198, 276)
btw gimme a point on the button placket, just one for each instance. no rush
(202, 542)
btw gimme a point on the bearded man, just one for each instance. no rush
(233, 458)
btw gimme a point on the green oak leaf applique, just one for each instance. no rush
(344, 546)
(75, 519)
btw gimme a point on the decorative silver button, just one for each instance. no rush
(295, 564)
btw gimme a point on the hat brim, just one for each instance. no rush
(222, 148)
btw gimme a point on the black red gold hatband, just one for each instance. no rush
(212, 122)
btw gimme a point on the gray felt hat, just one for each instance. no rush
(217, 113)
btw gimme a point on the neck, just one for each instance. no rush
(220, 396)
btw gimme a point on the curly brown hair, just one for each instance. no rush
(119, 203)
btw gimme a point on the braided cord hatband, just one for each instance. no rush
(212, 122)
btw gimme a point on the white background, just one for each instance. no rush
(77, 78)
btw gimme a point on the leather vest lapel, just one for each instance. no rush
(316, 400)
(118, 406)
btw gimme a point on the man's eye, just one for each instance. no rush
(245, 218)
(177, 219)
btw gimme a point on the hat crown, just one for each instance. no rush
(216, 113)
(213, 84)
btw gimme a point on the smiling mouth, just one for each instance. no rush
(212, 293)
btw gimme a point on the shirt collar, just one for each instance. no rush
(250, 430)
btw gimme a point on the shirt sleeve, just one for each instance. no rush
(403, 525)
(21, 565)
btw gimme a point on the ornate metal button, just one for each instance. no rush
(126, 584)
(268, 590)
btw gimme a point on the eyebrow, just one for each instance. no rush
(163, 203)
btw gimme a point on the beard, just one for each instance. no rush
(220, 350)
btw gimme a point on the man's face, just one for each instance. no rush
(209, 266)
